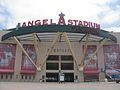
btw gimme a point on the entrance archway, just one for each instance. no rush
(57, 64)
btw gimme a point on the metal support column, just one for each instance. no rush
(70, 47)
(25, 52)
(81, 66)
(52, 46)
(38, 63)
(100, 45)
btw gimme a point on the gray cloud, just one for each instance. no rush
(5, 15)
(114, 5)
(110, 15)
(106, 12)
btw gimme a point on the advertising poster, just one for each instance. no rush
(26, 63)
(7, 56)
(111, 55)
(90, 59)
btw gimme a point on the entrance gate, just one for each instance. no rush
(57, 64)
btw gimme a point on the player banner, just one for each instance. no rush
(26, 63)
(111, 55)
(7, 57)
(90, 60)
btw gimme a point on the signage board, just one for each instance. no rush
(61, 21)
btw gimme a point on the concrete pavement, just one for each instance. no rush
(57, 86)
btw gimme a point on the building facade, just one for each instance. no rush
(42, 57)
(42, 53)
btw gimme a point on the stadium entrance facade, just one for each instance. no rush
(43, 52)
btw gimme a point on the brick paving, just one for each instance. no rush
(57, 86)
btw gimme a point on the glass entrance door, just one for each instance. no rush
(51, 77)
(69, 77)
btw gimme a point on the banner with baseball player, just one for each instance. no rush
(7, 57)
(112, 58)
(90, 59)
(26, 63)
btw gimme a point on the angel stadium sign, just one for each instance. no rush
(61, 21)
(61, 25)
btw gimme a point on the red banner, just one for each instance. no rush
(90, 60)
(27, 66)
(7, 57)
(111, 55)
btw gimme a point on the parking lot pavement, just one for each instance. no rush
(57, 86)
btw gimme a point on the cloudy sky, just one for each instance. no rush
(104, 12)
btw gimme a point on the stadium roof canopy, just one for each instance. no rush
(48, 33)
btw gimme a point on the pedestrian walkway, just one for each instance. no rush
(57, 86)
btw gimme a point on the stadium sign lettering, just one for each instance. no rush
(61, 21)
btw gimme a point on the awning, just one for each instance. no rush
(91, 72)
(7, 71)
(28, 71)
(77, 31)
